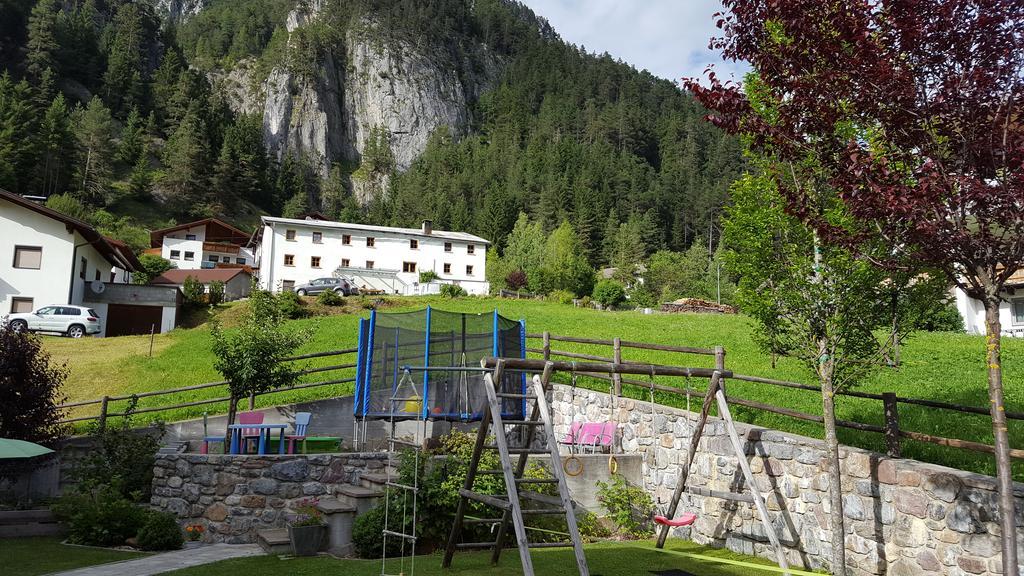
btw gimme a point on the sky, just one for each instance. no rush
(668, 38)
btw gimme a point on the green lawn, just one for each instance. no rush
(32, 556)
(603, 559)
(938, 366)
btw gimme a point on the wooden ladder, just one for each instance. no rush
(515, 484)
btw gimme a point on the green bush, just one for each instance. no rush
(609, 293)
(629, 507)
(291, 305)
(453, 291)
(215, 295)
(641, 297)
(330, 298)
(428, 276)
(100, 517)
(193, 290)
(945, 319)
(561, 296)
(160, 532)
(122, 458)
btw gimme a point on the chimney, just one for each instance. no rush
(428, 226)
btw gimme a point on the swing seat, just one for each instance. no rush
(685, 520)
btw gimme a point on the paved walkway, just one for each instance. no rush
(167, 561)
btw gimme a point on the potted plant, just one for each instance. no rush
(307, 528)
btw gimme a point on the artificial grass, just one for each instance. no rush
(938, 366)
(43, 555)
(603, 559)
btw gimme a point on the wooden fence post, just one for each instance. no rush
(547, 345)
(252, 401)
(103, 413)
(617, 357)
(892, 425)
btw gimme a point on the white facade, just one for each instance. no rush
(189, 249)
(1011, 313)
(292, 252)
(66, 260)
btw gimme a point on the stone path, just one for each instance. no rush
(167, 561)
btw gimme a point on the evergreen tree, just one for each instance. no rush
(18, 126)
(42, 38)
(79, 51)
(132, 138)
(186, 167)
(629, 250)
(124, 81)
(94, 132)
(565, 266)
(54, 139)
(241, 171)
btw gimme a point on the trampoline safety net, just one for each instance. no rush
(394, 348)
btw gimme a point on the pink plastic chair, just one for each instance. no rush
(597, 435)
(572, 438)
(250, 434)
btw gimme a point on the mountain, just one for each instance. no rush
(466, 112)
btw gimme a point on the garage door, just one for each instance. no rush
(125, 319)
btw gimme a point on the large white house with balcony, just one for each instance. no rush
(206, 243)
(1011, 310)
(290, 252)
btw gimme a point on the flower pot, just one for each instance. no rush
(306, 540)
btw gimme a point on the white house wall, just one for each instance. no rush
(973, 313)
(389, 252)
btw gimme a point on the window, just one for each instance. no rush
(215, 258)
(414, 244)
(1018, 311)
(175, 254)
(346, 239)
(447, 268)
(289, 235)
(469, 270)
(447, 246)
(370, 241)
(408, 266)
(287, 284)
(190, 255)
(289, 260)
(19, 305)
(97, 274)
(239, 260)
(84, 264)
(318, 237)
(369, 264)
(470, 249)
(190, 236)
(30, 257)
(314, 261)
(344, 262)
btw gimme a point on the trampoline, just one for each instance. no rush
(425, 364)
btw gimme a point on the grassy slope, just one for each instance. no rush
(608, 559)
(939, 366)
(32, 556)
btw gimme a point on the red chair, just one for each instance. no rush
(250, 434)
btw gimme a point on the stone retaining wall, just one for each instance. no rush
(233, 496)
(903, 517)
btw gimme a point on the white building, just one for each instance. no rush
(1011, 310)
(48, 258)
(291, 252)
(204, 243)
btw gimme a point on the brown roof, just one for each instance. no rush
(216, 231)
(116, 252)
(204, 275)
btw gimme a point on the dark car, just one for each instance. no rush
(339, 285)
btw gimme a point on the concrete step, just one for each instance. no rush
(274, 541)
(376, 479)
(359, 497)
(340, 518)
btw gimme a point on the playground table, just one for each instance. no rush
(265, 429)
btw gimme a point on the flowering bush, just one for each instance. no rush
(307, 514)
(194, 531)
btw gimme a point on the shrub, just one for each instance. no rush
(100, 517)
(945, 319)
(330, 298)
(160, 532)
(193, 290)
(215, 294)
(291, 305)
(609, 293)
(152, 266)
(122, 459)
(641, 297)
(453, 291)
(516, 280)
(31, 386)
(428, 276)
(561, 296)
(629, 507)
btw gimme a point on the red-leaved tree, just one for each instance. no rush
(913, 110)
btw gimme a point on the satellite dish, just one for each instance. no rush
(97, 286)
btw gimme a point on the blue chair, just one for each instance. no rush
(207, 438)
(301, 424)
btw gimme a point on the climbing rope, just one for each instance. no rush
(572, 465)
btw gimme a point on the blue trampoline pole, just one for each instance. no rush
(426, 363)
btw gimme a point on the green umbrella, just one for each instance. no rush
(17, 449)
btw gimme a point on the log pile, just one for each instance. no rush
(697, 305)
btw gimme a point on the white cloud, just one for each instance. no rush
(669, 38)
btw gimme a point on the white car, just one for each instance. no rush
(74, 321)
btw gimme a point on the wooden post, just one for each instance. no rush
(720, 366)
(617, 358)
(547, 345)
(892, 424)
(252, 401)
(152, 335)
(103, 413)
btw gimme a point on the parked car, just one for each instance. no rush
(74, 321)
(339, 285)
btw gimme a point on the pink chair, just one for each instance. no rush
(572, 438)
(250, 434)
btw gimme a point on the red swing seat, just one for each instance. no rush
(685, 520)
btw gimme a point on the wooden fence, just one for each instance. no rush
(890, 401)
